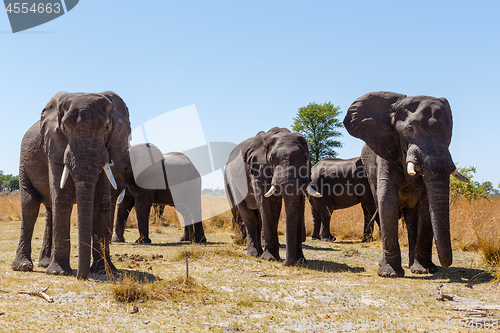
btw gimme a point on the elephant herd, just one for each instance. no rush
(79, 152)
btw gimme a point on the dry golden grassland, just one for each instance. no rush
(226, 291)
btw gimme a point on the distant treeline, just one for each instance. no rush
(8, 182)
(213, 193)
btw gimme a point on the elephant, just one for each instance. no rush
(343, 184)
(171, 180)
(65, 159)
(261, 172)
(408, 166)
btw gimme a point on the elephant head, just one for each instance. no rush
(85, 133)
(279, 164)
(415, 133)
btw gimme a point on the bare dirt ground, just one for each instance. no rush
(337, 290)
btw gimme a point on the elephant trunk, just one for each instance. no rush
(292, 182)
(85, 207)
(436, 176)
(294, 210)
(85, 161)
(438, 195)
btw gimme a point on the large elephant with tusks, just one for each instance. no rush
(261, 173)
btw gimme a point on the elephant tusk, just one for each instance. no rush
(312, 192)
(120, 198)
(109, 174)
(411, 169)
(460, 177)
(270, 192)
(64, 176)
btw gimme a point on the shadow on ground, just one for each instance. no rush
(331, 267)
(467, 276)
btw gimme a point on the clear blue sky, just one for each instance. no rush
(249, 65)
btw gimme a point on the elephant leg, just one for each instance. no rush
(270, 211)
(101, 232)
(326, 216)
(253, 225)
(423, 250)
(411, 219)
(388, 203)
(316, 214)
(62, 205)
(30, 205)
(188, 235)
(368, 212)
(46, 250)
(143, 203)
(122, 214)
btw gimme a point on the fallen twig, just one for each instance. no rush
(441, 296)
(40, 293)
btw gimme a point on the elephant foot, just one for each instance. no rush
(424, 267)
(253, 251)
(313, 236)
(22, 264)
(99, 266)
(271, 255)
(184, 238)
(118, 239)
(44, 262)
(57, 269)
(291, 262)
(142, 240)
(200, 240)
(328, 238)
(390, 270)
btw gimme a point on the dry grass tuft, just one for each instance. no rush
(10, 207)
(200, 251)
(131, 289)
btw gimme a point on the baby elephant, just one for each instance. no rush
(343, 184)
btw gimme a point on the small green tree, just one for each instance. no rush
(319, 125)
(9, 181)
(469, 191)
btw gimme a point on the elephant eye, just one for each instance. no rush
(409, 128)
(63, 128)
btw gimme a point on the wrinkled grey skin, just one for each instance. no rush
(85, 132)
(343, 184)
(280, 158)
(185, 196)
(398, 130)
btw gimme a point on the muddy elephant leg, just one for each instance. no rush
(101, 232)
(122, 214)
(270, 211)
(423, 249)
(30, 205)
(143, 203)
(46, 250)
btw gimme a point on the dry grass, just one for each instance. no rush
(474, 226)
(10, 207)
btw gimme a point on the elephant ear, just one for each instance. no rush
(54, 141)
(255, 156)
(370, 118)
(119, 136)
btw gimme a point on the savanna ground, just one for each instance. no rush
(337, 290)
